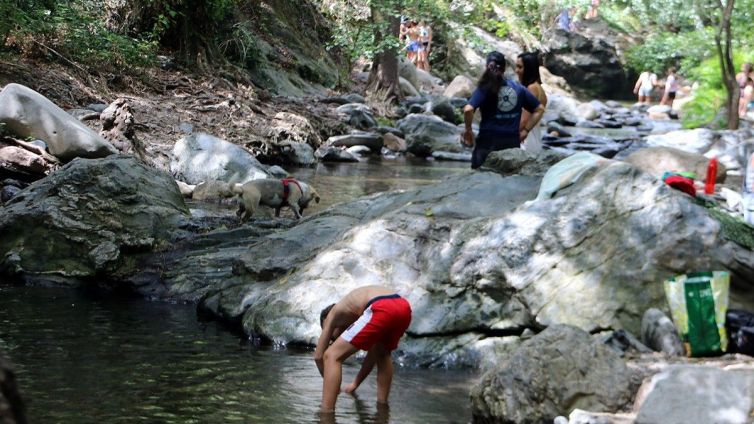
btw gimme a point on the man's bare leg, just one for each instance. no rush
(333, 364)
(384, 375)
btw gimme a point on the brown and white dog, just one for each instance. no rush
(275, 194)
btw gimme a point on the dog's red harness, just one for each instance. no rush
(287, 190)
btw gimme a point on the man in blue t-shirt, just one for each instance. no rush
(501, 102)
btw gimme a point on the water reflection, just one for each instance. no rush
(341, 182)
(81, 359)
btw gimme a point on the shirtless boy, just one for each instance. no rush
(370, 318)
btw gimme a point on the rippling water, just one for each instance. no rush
(84, 359)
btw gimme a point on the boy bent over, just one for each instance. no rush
(370, 318)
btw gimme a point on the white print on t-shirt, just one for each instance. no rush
(507, 98)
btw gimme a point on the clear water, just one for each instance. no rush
(81, 358)
(84, 359)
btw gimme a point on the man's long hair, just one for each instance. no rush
(492, 78)
(530, 61)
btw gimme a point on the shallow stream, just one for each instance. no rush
(81, 358)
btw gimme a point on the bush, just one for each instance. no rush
(661, 51)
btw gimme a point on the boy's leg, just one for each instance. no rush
(384, 373)
(333, 359)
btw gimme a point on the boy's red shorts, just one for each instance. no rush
(384, 321)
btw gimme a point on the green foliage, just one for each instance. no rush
(660, 51)
(241, 46)
(72, 31)
(710, 96)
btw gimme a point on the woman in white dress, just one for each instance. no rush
(527, 69)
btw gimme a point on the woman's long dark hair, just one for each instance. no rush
(492, 78)
(531, 68)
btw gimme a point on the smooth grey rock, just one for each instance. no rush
(39, 143)
(346, 99)
(657, 160)
(93, 214)
(212, 190)
(334, 154)
(459, 157)
(613, 104)
(609, 123)
(407, 89)
(458, 102)
(407, 70)
(29, 114)
(461, 86)
(471, 255)
(371, 140)
(622, 342)
(695, 141)
(358, 115)
(579, 416)
(521, 162)
(19, 160)
(359, 150)
(588, 124)
(394, 143)
(84, 114)
(443, 109)
(588, 112)
(97, 107)
(417, 108)
(277, 172)
(589, 59)
(551, 374)
(382, 129)
(202, 157)
(698, 394)
(660, 334)
(427, 133)
(298, 153)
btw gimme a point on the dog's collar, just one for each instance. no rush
(286, 190)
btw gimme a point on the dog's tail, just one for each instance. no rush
(315, 195)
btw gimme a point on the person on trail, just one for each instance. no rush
(592, 12)
(501, 102)
(671, 88)
(527, 69)
(425, 37)
(742, 78)
(370, 318)
(414, 46)
(644, 85)
(565, 19)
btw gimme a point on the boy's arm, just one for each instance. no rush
(322, 344)
(366, 368)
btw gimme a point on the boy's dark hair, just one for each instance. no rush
(531, 68)
(323, 314)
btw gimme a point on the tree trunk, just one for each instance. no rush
(384, 73)
(725, 54)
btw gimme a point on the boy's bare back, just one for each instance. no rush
(348, 309)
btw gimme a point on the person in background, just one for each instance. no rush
(671, 88)
(425, 37)
(565, 19)
(501, 102)
(644, 85)
(527, 69)
(742, 79)
(592, 12)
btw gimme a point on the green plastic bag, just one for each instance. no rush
(698, 303)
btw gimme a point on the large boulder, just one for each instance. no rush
(357, 115)
(12, 409)
(697, 394)
(201, 157)
(461, 86)
(407, 89)
(30, 114)
(591, 64)
(407, 70)
(697, 141)
(17, 160)
(428, 133)
(478, 262)
(657, 160)
(553, 373)
(87, 218)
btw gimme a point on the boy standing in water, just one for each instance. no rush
(370, 318)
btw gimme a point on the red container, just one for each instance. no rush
(709, 183)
